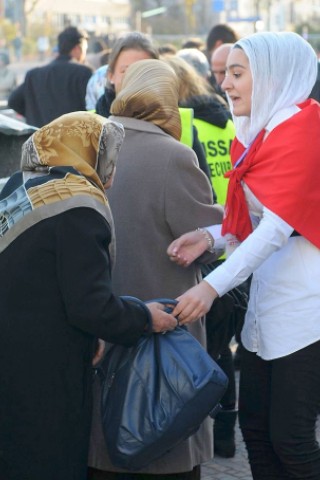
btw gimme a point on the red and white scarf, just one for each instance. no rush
(283, 172)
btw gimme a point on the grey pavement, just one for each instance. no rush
(229, 468)
(236, 468)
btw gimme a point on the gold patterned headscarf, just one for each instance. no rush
(64, 165)
(87, 142)
(149, 92)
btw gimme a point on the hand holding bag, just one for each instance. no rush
(156, 394)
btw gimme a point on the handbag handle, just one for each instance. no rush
(169, 302)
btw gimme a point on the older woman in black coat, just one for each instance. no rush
(56, 296)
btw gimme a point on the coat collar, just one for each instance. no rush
(139, 125)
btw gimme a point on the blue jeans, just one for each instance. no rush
(279, 401)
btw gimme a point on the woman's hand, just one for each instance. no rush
(194, 303)
(187, 248)
(161, 321)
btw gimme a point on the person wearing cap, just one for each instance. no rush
(58, 87)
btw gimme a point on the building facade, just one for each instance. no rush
(102, 17)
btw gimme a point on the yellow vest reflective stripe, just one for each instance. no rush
(216, 143)
(186, 116)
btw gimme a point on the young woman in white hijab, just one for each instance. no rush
(271, 217)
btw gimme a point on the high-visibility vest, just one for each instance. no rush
(216, 142)
(186, 116)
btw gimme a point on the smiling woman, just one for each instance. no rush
(274, 237)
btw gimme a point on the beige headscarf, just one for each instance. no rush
(149, 92)
(88, 142)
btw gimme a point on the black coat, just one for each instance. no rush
(55, 298)
(50, 91)
(104, 102)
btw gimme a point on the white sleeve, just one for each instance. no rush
(219, 240)
(270, 235)
(90, 97)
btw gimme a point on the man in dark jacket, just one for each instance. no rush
(58, 87)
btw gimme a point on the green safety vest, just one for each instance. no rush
(216, 142)
(186, 116)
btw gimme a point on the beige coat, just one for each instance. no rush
(158, 194)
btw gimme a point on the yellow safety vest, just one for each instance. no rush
(186, 116)
(216, 142)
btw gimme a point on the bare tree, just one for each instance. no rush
(21, 13)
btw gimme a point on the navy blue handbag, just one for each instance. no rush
(156, 394)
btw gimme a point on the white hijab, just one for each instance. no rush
(284, 70)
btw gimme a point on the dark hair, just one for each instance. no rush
(97, 46)
(193, 43)
(131, 41)
(220, 32)
(104, 56)
(69, 38)
(167, 49)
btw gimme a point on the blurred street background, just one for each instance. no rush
(29, 28)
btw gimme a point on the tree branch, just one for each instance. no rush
(32, 6)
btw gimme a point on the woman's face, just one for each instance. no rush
(238, 82)
(124, 60)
